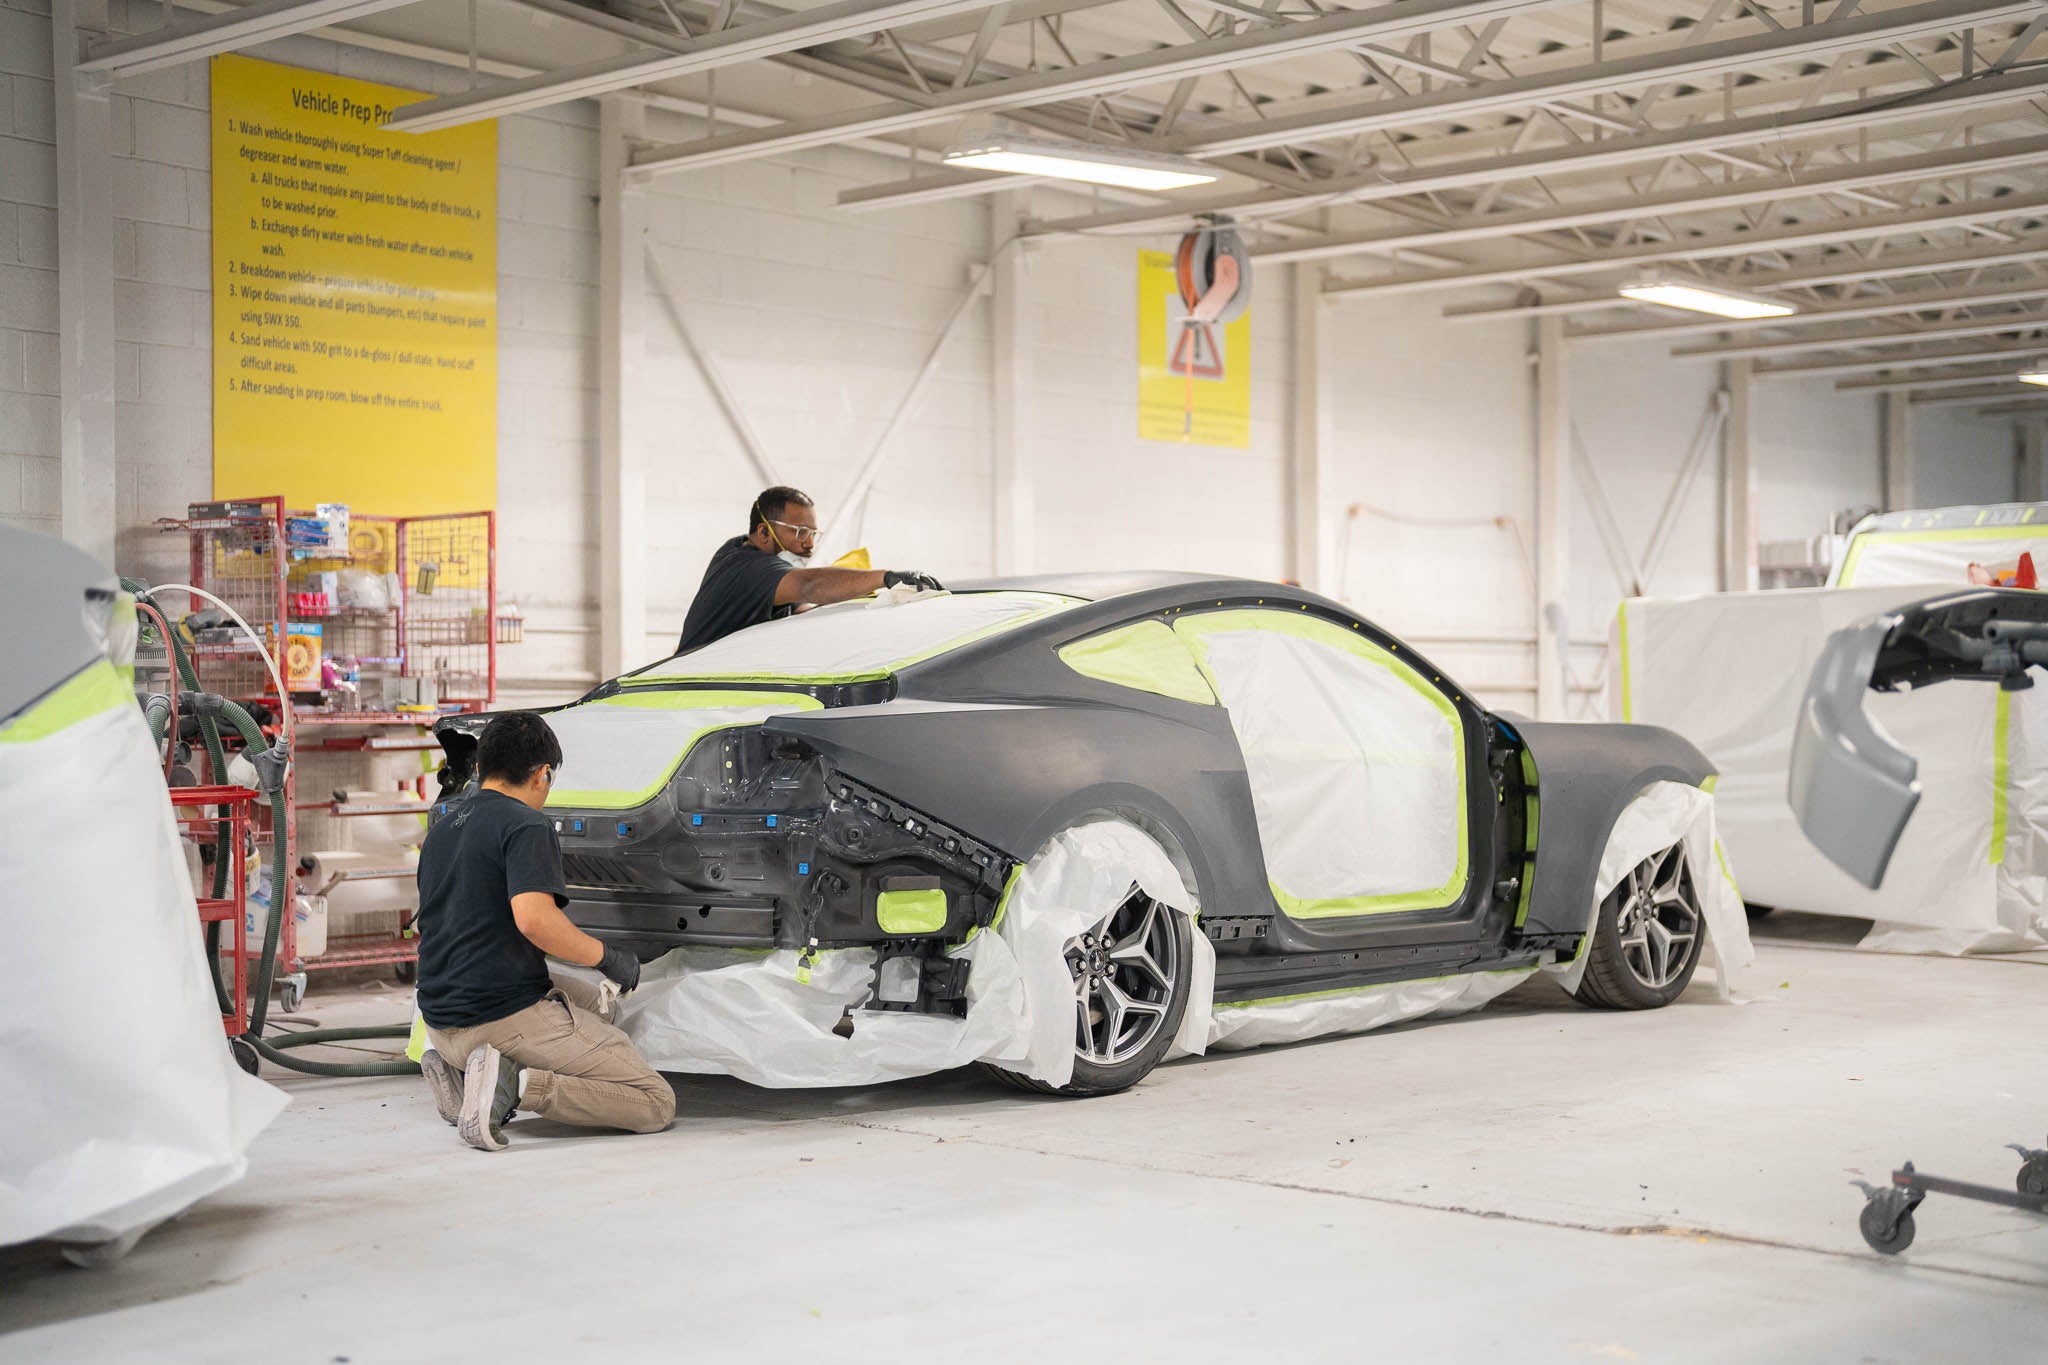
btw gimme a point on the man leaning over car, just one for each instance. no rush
(503, 1033)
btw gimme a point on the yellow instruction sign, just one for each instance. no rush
(1194, 380)
(355, 297)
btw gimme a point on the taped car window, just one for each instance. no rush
(1356, 762)
(1146, 655)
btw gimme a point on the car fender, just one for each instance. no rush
(1586, 775)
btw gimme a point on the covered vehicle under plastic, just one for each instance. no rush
(1356, 807)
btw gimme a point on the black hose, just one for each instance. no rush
(280, 894)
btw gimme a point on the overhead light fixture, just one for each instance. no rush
(1062, 159)
(1702, 298)
(2037, 375)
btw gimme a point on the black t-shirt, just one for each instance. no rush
(475, 965)
(738, 591)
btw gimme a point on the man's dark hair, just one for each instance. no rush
(514, 746)
(773, 502)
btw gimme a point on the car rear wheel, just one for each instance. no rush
(1646, 944)
(1130, 974)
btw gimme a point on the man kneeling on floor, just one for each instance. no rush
(503, 1034)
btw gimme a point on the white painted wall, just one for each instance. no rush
(818, 321)
(1961, 458)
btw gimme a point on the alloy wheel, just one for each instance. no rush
(1125, 968)
(1657, 922)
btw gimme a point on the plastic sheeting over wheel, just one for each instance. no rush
(123, 1102)
(748, 1014)
(1661, 815)
(1971, 870)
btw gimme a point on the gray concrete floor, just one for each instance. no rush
(1534, 1182)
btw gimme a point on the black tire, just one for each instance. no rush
(1886, 1235)
(1108, 1078)
(1624, 970)
(406, 972)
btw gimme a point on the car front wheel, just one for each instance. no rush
(1130, 974)
(1647, 941)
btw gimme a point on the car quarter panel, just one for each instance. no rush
(1586, 775)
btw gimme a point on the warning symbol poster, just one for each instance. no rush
(1194, 379)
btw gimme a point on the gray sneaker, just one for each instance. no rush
(446, 1083)
(490, 1088)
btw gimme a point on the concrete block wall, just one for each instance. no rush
(162, 266)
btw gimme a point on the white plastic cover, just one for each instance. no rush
(1880, 559)
(617, 755)
(123, 1103)
(1291, 1019)
(1690, 664)
(746, 1014)
(1663, 814)
(856, 639)
(1357, 775)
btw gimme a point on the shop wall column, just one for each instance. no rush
(1553, 501)
(1011, 489)
(85, 284)
(1898, 451)
(1304, 456)
(1738, 482)
(622, 453)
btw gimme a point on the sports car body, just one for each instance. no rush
(1174, 801)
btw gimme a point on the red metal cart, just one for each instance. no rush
(223, 820)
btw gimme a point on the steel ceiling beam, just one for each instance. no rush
(2029, 407)
(1975, 327)
(1939, 381)
(1989, 393)
(1675, 64)
(1827, 233)
(749, 42)
(1814, 314)
(1572, 158)
(227, 32)
(1902, 360)
(1342, 28)
(1877, 268)
(2015, 153)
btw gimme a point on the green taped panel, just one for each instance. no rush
(1847, 577)
(681, 699)
(92, 691)
(2001, 765)
(1628, 709)
(728, 702)
(1197, 628)
(1147, 656)
(911, 912)
(1032, 606)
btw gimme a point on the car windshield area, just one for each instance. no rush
(855, 641)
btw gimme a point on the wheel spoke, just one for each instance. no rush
(1135, 955)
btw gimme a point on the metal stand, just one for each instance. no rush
(1887, 1218)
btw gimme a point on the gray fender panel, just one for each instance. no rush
(1015, 775)
(1586, 775)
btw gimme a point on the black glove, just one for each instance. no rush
(621, 966)
(896, 577)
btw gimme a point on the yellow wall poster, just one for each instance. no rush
(1194, 382)
(355, 297)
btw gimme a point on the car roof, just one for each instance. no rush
(1102, 586)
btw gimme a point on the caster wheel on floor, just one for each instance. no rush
(406, 972)
(2033, 1176)
(1885, 1226)
(291, 993)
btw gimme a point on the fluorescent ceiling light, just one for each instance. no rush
(1700, 298)
(1060, 159)
(2037, 375)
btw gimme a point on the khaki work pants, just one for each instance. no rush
(579, 1069)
